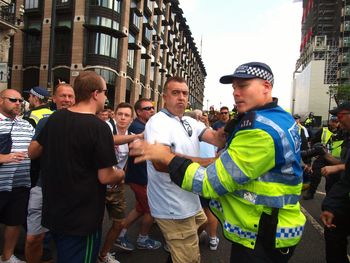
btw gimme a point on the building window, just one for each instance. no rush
(131, 38)
(136, 20)
(32, 45)
(110, 4)
(62, 46)
(102, 44)
(149, 4)
(64, 23)
(148, 34)
(133, 4)
(128, 90)
(347, 10)
(117, 6)
(143, 67)
(347, 25)
(59, 2)
(131, 55)
(104, 21)
(30, 4)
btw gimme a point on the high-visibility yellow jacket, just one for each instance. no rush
(334, 145)
(259, 170)
(38, 114)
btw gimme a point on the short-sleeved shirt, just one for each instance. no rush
(16, 174)
(136, 173)
(75, 147)
(167, 200)
(122, 152)
(218, 124)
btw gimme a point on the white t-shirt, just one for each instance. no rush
(110, 126)
(166, 199)
(121, 152)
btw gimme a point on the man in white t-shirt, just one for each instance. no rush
(177, 212)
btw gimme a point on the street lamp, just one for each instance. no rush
(208, 105)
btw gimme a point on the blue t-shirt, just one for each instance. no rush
(218, 124)
(136, 173)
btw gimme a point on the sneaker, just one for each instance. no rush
(12, 259)
(123, 243)
(148, 244)
(109, 258)
(213, 243)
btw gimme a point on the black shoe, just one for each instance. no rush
(308, 196)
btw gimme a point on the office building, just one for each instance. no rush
(134, 44)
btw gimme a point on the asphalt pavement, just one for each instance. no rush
(310, 250)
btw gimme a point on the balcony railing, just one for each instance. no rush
(7, 12)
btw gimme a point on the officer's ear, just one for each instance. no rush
(267, 86)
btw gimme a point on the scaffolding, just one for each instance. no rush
(319, 49)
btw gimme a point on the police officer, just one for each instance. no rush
(38, 97)
(332, 138)
(256, 182)
(310, 122)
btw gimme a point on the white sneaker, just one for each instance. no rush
(109, 258)
(12, 259)
(214, 243)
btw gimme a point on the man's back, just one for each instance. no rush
(76, 145)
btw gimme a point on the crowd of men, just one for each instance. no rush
(189, 172)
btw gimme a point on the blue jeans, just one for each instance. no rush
(77, 249)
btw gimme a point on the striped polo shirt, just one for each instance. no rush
(16, 174)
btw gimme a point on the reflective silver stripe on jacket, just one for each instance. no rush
(270, 201)
(287, 152)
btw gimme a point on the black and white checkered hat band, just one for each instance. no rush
(36, 94)
(260, 73)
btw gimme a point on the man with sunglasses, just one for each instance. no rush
(178, 213)
(77, 158)
(256, 182)
(14, 170)
(224, 118)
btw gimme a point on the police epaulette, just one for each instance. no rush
(248, 120)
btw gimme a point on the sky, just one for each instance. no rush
(234, 32)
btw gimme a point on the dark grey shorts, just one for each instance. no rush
(34, 212)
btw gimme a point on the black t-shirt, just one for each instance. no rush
(75, 146)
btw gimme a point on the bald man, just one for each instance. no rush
(15, 136)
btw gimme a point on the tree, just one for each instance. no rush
(340, 93)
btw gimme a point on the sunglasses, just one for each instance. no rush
(187, 127)
(14, 100)
(148, 108)
(224, 112)
(103, 90)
